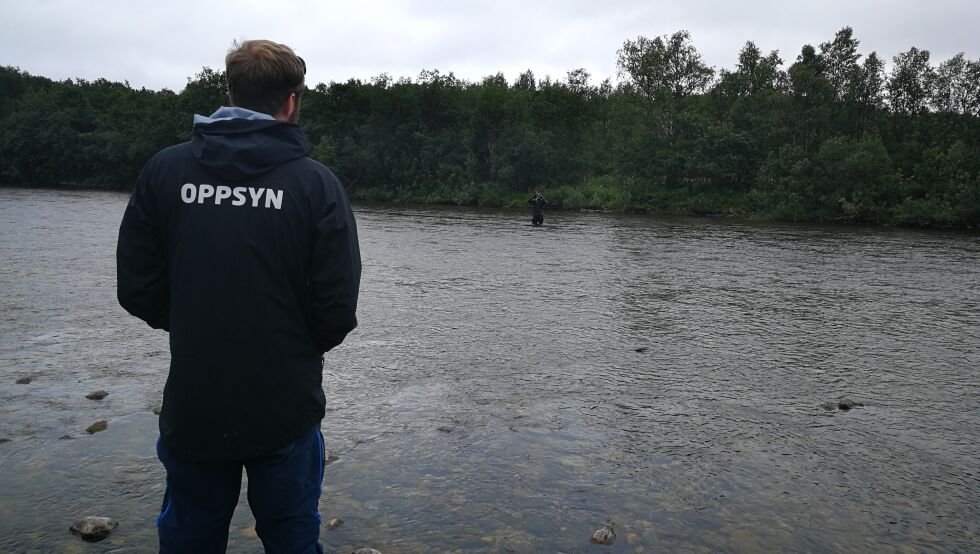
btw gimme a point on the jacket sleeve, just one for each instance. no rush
(335, 275)
(142, 280)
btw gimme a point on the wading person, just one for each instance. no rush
(537, 203)
(245, 250)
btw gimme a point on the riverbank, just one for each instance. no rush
(599, 196)
(692, 199)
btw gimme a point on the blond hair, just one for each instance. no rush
(262, 74)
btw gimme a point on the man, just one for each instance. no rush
(537, 203)
(245, 250)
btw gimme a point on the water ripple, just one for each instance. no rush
(510, 388)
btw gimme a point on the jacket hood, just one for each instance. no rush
(239, 144)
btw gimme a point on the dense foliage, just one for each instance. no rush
(835, 136)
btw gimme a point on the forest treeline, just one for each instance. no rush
(833, 136)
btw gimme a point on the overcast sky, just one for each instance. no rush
(160, 44)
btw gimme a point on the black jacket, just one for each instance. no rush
(537, 205)
(246, 251)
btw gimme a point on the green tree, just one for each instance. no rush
(839, 60)
(813, 96)
(754, 73)
(910, 82)
(204, 93)
(664, 70)
(956, 86)
(868, 90)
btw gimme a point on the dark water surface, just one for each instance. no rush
(494, 398)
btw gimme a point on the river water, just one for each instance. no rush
(513, 388)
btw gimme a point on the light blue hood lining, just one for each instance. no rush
(226, 112)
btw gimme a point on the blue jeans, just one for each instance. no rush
(283, 492)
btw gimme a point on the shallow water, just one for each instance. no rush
(494, 398)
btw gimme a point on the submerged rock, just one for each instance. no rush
(843, 405)
(24, 380)
(847, 404)
(3, 440)
(93, 528)
(606, 535)
(65, 438)
(642, 349)
(97, 426)
(97, 395)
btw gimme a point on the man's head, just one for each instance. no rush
(266, 77)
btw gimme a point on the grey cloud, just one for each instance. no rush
(161, 44)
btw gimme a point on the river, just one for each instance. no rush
(513, 388)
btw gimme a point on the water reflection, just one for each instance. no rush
(494, 398)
